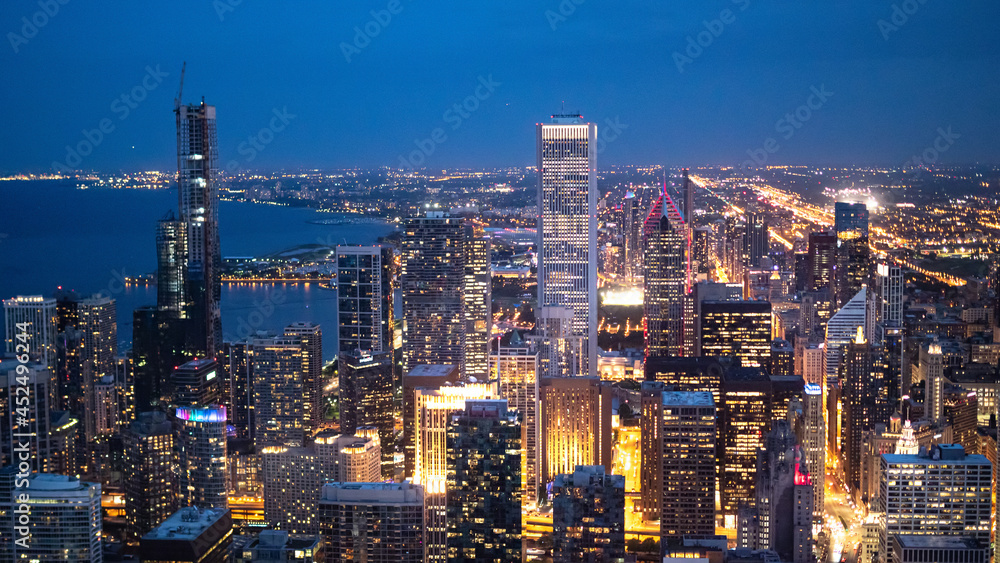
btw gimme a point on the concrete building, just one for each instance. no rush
(191, 535)
(687, 460)
(588, 516)
(376, 522)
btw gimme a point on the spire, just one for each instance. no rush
(860, 338)
(907, 444)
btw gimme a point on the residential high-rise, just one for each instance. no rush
(367, 398)
(853, 262)
(196, 383)
(744, 420)
(687, 464)
(198, 195)
(433, 283)
(930, 370)
(191, 534)
(202, 459)
(822, 257)
(567, 224)
(364, 298)
(236, 360)
(860, 393)
(588, 516)
(951, 488)
(34, 317)
(150, 469)
(484, 483)
(737, 328)
(842, 328)
(574, 415)
(809, 426)
(310, 338)
(34, 429)
(280, 383)
(373, 521)
(63, 518)
(517, 372)
(97, 320)
(756, 239)
(275, 545)
(809, 361)
(477, 302)
(420, 377)
(665, 281)
(887, 299)
(171, 267)
(434, 409)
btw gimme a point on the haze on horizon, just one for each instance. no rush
(369, 84)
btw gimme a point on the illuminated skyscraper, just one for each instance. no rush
(887, 301)
(842, 328)
(853, 255)
(651, 450)
(809, 426)
(588, 516)
(574, 415)
(433, 282)
(687, 464)
(280, 389)
(930, 370)
(560, 350)
(861, 387)
(35, 317)
(198, 195)
(34, 429)
(150, 469)
(373, 521)
(202, 450)
(744, 420)
(822, 257)
(420, 377)
(310, 338)
(737, 328)
(364, 298)
(171, 267)
(484, 483)
(567, 224)
(236, 364)
(665, 281)
(366, 398)
(477, 302)
(517, 369)
(196, 383)
(756, 239)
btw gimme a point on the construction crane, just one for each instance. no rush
(180, 90)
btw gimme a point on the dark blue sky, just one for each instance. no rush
(892, 88)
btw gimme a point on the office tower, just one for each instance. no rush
(517, 372)
(96, 320)
(574, 415)
(567, 224)
(198, 196)
(275, 545)
(433, 282)
(782, 357)
(196, 383)
(477, 302)
(665, 282)
(425, 377)
(192, 535)
(890, 366)
(687, 464)
(151, 359)
(952, 489)
(202, 459)
(280, 392)
(860, 392)
(822, 257)
(63, 518)
(756, 239)
(809, 362)
(236, 361)
(150, 467)
(357, 458)
(632, 217)
(373, 521)
(930, 370)
(484, 483)
(32, 321)
(310, 338)
(364, 298)
(744, 420)
(588, 516)
(960, 410)
(842, 328)
(434, 409)
(651, 449)
(908, 548)
(25, 423)
(690, 374)
(367, 398)
(887, 299)
(687, 190)
(171, 267)
(737, 328)
(853, 254)
(781, 519)
(63, 431)
(809, 426)
(560, 351)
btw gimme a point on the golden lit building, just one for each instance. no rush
(737, 328)
(517, 371)
(575, 421)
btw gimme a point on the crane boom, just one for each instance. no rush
(180, 90)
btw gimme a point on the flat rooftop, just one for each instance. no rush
(186, 524)
(937, 542)
(688, 399)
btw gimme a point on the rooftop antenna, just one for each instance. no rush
(180, 90)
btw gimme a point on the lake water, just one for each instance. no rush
(54, 235)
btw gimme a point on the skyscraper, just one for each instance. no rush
(517, 371)
(842, 328)
(364, 298)
(476, 302)
(484, 483)
(202, 460)
(198, 196)
(560, 351)
(853, 255)
(861, 387)
(822, 257)
(665, 282)
(745, 417)
(756, 239)
(567, 224)
(373, 521)
(150, 469)
(310, 338)
(35, 426)
(810, 430)
(433, 282)
(737, 328)
(190, 534)
(196, 383)
(280, 389)
(34, 316)
(887, 302)
(574, 414)
(236, 363)
(687, 464)
(366, 398)
(171, 267)
(588, 516)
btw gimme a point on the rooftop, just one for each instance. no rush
(690, 399)
(186, 524)
(938, 542)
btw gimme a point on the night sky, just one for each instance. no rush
(887, 87)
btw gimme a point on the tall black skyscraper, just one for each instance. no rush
(665, 280)
(853, 262)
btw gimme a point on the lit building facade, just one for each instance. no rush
(202, 447)
(280, 391)
(574, 415)
(688, 438)
(367, 397)
(376, 522)
(744, 420)
(364, 298)
(737, 328)
(150, 469)
(665, 282)
(588, 516)
(310, 338)
(517, 372)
